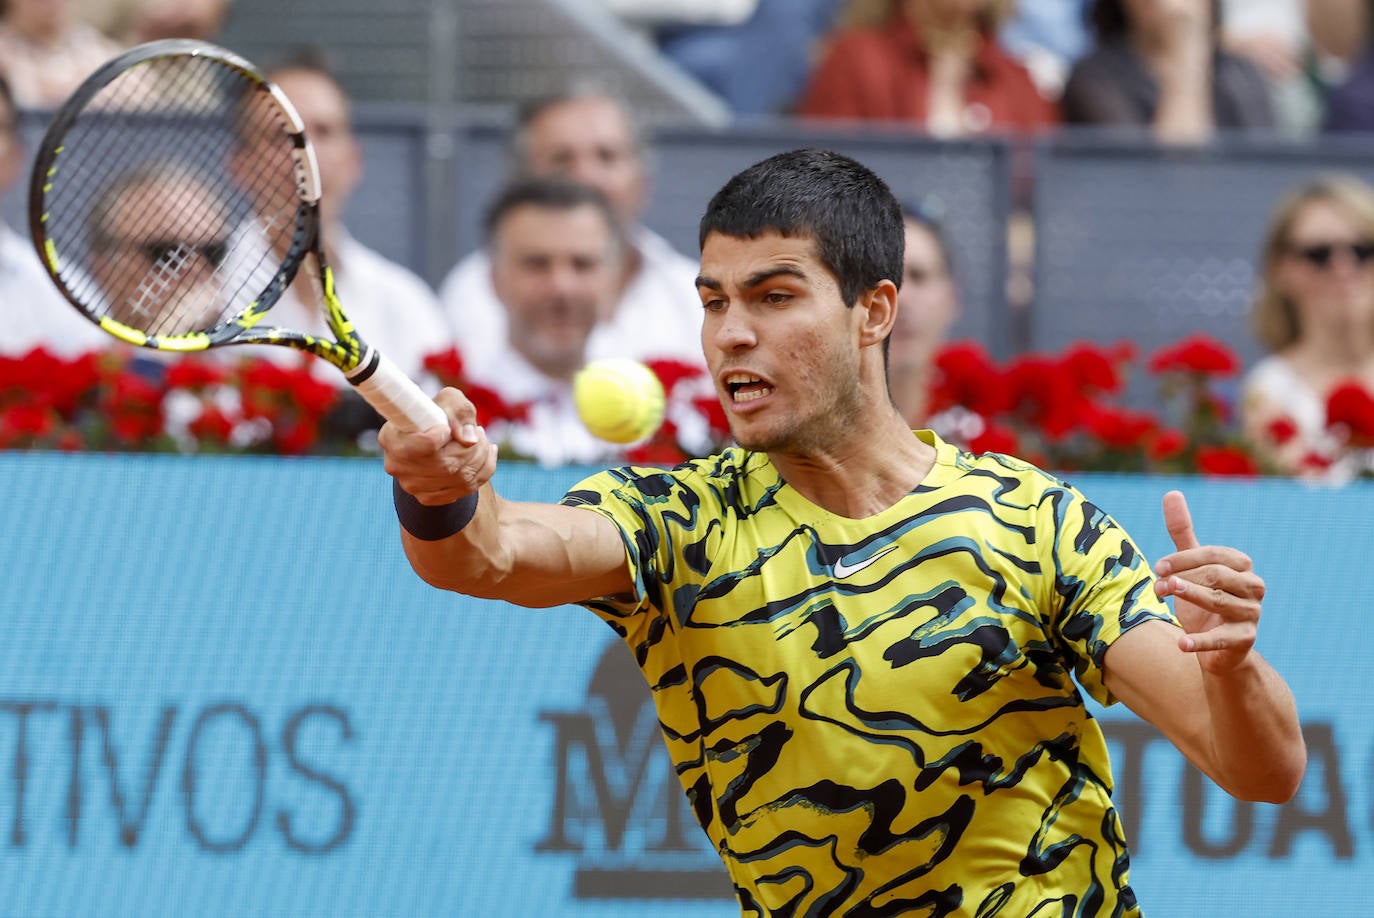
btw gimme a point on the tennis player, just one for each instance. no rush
(867, 648)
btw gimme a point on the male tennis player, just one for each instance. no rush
(866, 647)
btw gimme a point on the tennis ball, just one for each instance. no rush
(619, 400)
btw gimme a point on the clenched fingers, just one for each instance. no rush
(438, 466)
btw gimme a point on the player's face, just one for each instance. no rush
(156, 253)
(554, 270)
(927, 303)
(1327, 269)
(589, 141)
(325, 113)
(780, 343)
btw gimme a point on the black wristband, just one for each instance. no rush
(430, 524)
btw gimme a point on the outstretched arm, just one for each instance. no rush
(464, 537)
(1206, 687)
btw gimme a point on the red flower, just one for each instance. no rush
(995, 439)
(1198, 353)
(1351, 406)
(24, 423)
(295, 439)
(1281, 430)
(672, 372)
(1165, 443)
(492, 407)
(134, 407)
(195, 373)
(714, 413)
(1225, 461)
(1046, 394)
(308, 394)
(1095, 368)
(1119, 428)
(658, 451)
(212, 425)
(74, 383)
(447, 366)
(965, 375)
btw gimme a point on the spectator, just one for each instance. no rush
(1304, 47)
(590, 136)
(159, 235)
(554, 249)
(36, 315)
(927, 305)
(393, 308)
(1158, 64)
(45, 51)
(934, 63)
(1315, 314)
(135, 21)
(1350, 100)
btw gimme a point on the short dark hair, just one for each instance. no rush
(549, 192)
(851, 214)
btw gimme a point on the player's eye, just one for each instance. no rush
(163, 252)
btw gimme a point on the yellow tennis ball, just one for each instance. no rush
(619, 400)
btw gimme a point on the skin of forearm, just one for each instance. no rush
(1257, 747)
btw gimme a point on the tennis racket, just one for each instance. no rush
(175, 197)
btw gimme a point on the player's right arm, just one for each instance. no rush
(530, 554)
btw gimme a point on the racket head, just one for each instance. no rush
(174, 197)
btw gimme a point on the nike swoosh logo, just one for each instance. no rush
(843, 570)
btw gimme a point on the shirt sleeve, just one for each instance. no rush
(1103, 586)
(629, 498)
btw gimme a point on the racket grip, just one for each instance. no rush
(395, 395)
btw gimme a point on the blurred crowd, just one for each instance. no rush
(569, 273)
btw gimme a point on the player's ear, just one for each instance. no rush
(878, 312)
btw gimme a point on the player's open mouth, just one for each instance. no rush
(745, 387)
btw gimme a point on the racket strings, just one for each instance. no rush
(173, 200)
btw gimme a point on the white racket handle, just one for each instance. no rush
(394, 394)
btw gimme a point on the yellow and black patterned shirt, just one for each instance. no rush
(879, 716)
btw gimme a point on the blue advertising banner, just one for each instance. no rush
(224, 693)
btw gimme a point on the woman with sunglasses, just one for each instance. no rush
(1315, 313)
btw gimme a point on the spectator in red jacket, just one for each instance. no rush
(934, 63)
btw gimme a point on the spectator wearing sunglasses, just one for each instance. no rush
(157, 238)
(1315, 314)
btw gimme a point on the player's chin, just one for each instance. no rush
(752, 434)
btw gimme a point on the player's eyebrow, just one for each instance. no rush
(753, 280)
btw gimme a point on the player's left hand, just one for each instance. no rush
(1216, 592)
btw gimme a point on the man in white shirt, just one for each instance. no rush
(555, 256)
(589, 136)
(392, 307)
(34, 313)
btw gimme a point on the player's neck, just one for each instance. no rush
(861, 475)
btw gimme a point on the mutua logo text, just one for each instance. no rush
(618, 809)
